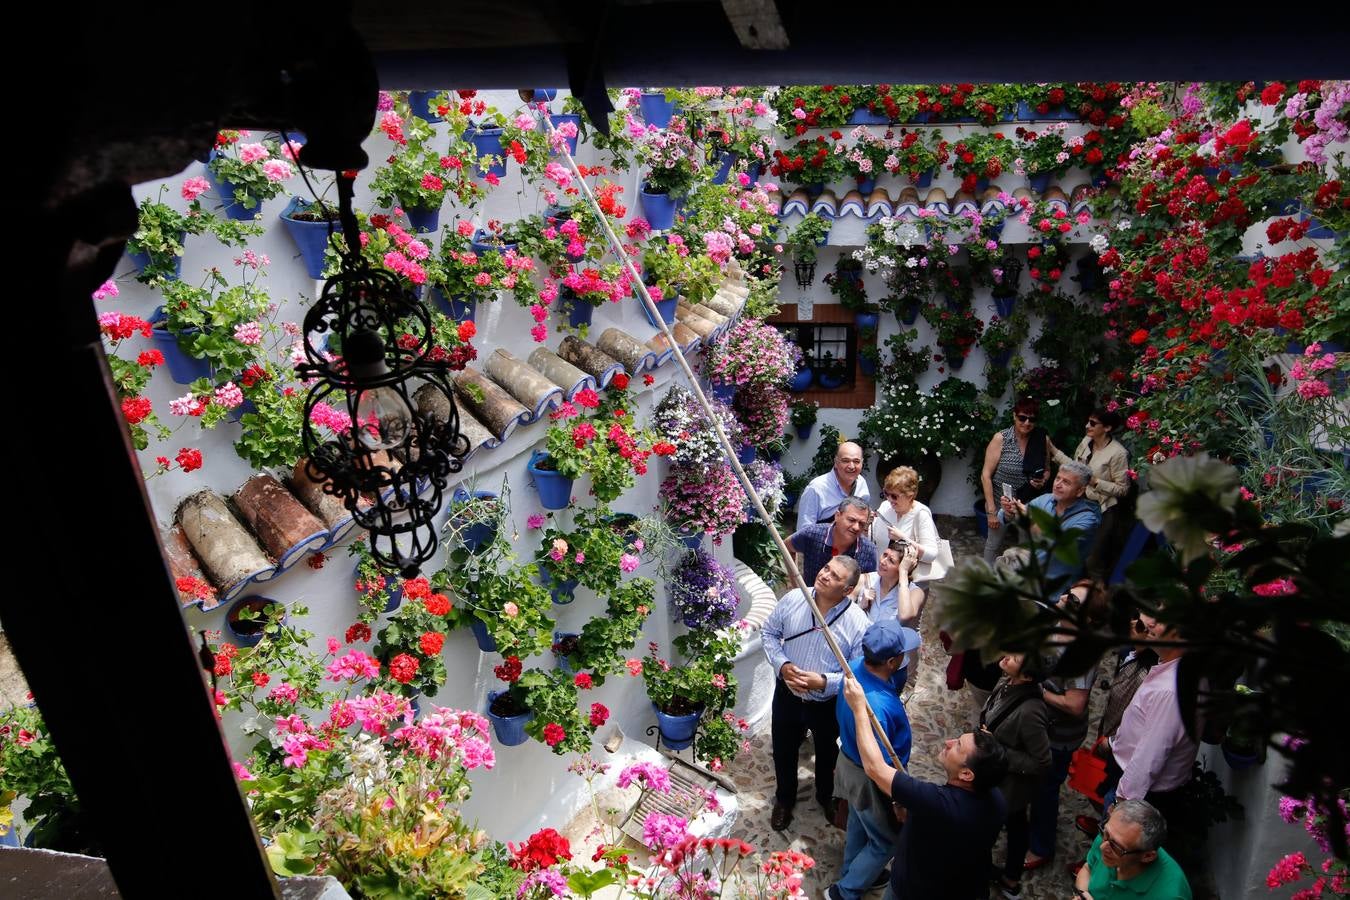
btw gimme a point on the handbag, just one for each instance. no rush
(1087, 772)
(937, 568)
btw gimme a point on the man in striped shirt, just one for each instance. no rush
(809, 676)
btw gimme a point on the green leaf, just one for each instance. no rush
(587, 883)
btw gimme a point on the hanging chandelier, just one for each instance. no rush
(367, 345)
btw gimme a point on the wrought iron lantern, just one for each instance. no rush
(367, 345)
(805, 272)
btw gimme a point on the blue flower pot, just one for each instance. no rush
(141, 260)
(183, 369)
(867, 366)
(866, 186)
(482, 242)
(864, 116)
(249, 633)
(544, 95)
(677, 732)
(558, 637)
(725, 160)
(755, 170)
(1239, 760)
(866, 319)
(790, 501)
(510, 730)
(800, 381)
(423, 220)
(478, 537)
(1004, 305)
(981, 185)
(487, 141)
(830, 382)
(310, 237)
(563, 593)
(665, 307)
(724, 392)
(658, 208)
(656, 109)
(1001, 359)
(555, 489)
(815, 189)
(461, 309)
(420, 103)
(953, 356)
(225, 191)
(486, 642)
(746, 454)
(579, 312)
(558, 120)
(691, 540)
(1038, 182)
(804, 431)
(909, 313)
(925, 180)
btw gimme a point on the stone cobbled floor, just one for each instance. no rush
(935, 714)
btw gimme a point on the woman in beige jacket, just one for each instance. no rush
(1110, 483)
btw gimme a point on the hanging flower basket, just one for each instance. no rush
(561, 592)
(420, 103)
(310, 234)
(486, 642)
(478, 536)
(247, 618)
(555, 489)
(666, 307)
(658, 207)
(656, 109)
(507, 724)
(487, 142)
(183, 369)
(564, 644)
(461, 309)
(423, 220)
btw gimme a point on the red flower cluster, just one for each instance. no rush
(599, 714)
(194, 588)
(358, 632)
(509, 670)
(541, 850)
(554, 734)
(150, 358)
(189, 459)
(403, 668)
(431, 642)
(136, 409)
(583, 681)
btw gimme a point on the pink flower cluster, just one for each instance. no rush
(449, 734)
(1310, 386)
(353, 666)
(648, 775)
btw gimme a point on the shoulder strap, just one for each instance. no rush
(1005, 712)
(842, 608)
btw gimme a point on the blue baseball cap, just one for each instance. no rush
(886, 639)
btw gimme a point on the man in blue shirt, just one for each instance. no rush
(949, 829)
(808, 680)
(821, 497)
(1067, 503)
(847, 536)
(872, 828)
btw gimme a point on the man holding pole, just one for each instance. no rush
(872, 827)
(949, 829)
(809, 674)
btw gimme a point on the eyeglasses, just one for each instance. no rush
(1093, 422)
(1115, 848)
(1025, 419)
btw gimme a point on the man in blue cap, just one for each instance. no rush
(872, 827)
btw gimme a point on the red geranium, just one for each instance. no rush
(554, 734)
(543, 849)
(431, 642)
(403, 668)
(599, 714)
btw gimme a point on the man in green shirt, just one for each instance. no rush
(1127, 860)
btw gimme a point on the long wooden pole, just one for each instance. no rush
(654, 314)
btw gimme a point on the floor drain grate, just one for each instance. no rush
(688, 787)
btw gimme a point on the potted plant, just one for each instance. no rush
(672, 166)
(507, 709)
(606, 642)
(377, 589)
(845, 282)
(417, 176)
(1001, 338)
(156, 246)
(582, 291)
(313, 225)
(1041, 155)
(763, 412)
(793, 485)
(247, 173)
(977, 158)
(803, 243)
(811, 162)
(680, 424)
(751, 352)
(475, 519)
(600, 440)
(917, 157)
(220, 326)
(501, 599)
(696, 691)
(904, 364)
(249, 618)
(551, 696)
(409, 645)
(955, 332)
(589, 554)
(804, 414)
(703, 591)
(869, 355)
(704, 500)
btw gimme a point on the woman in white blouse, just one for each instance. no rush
(903, 518)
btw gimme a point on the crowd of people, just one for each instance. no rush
(870, 571)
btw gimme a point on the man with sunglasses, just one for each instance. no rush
(1068, 503)
(1127, 859)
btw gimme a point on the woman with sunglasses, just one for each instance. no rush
(901, 517)
(1110, 463)
(1014, 461)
